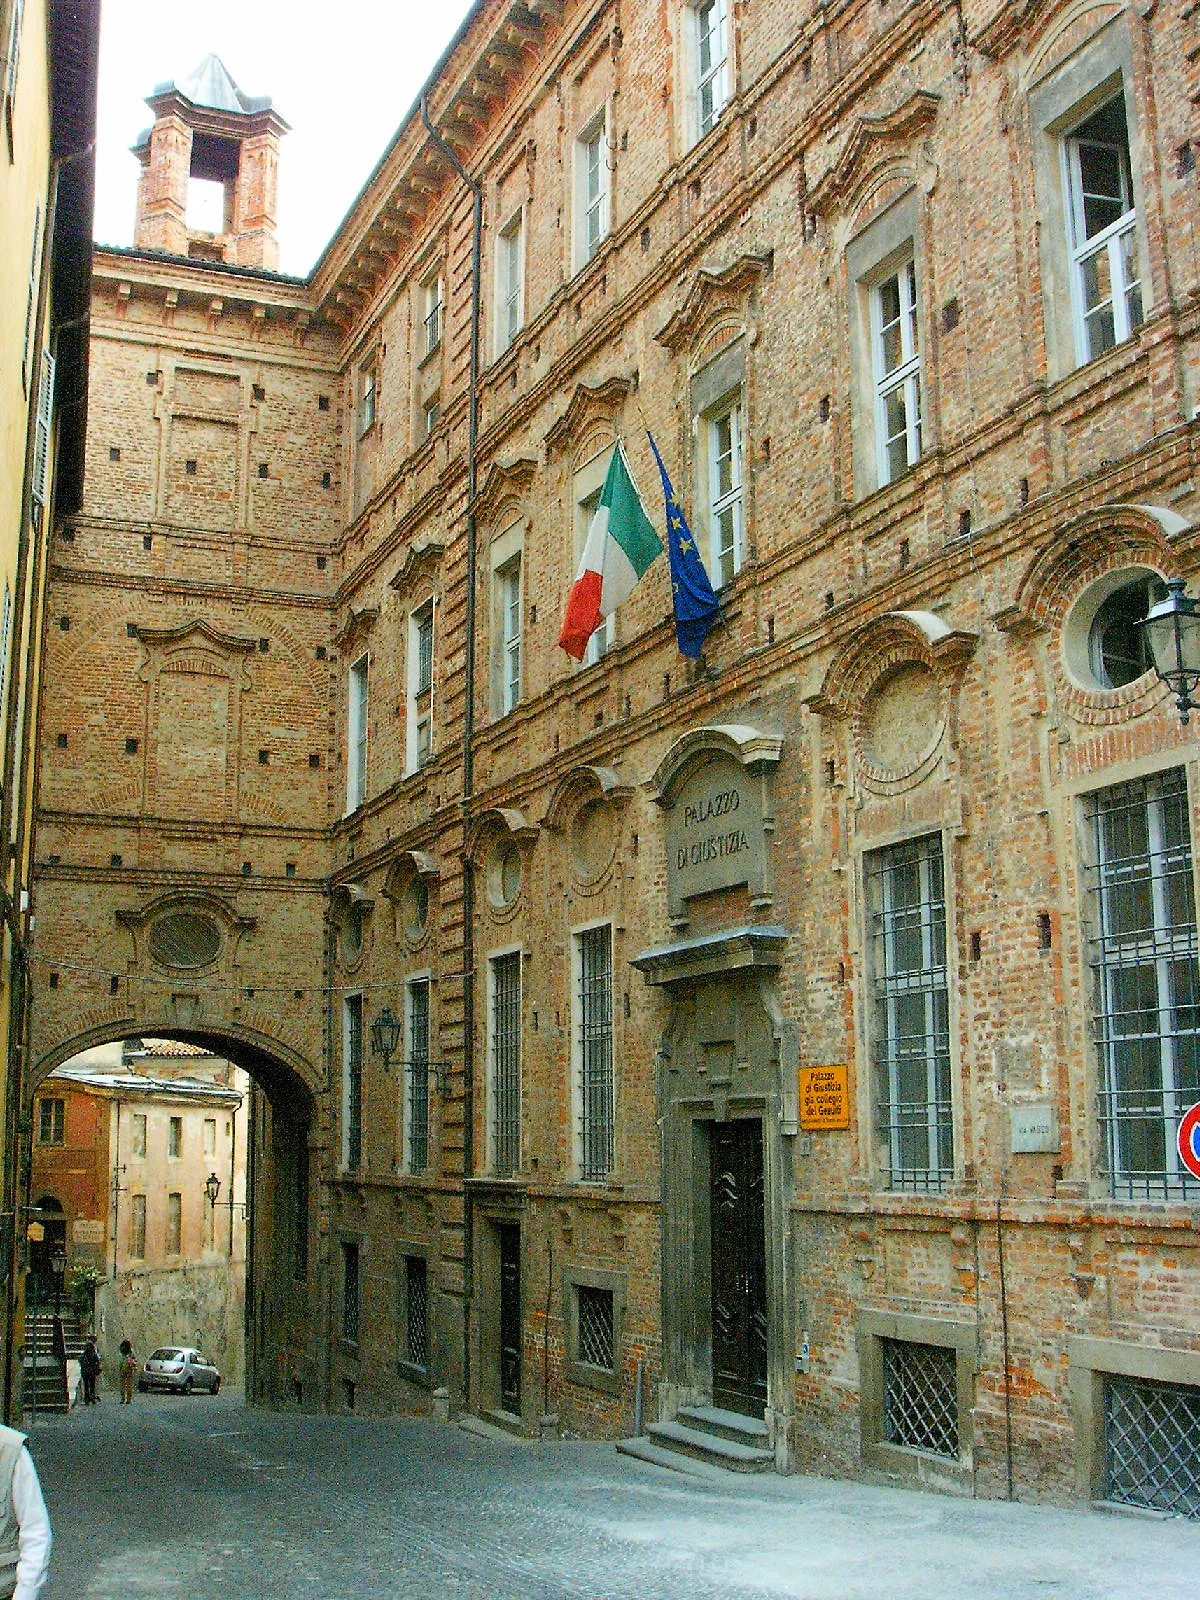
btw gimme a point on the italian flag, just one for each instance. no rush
(621, 544)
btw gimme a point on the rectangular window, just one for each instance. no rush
(42, 450)
(725, 487)
(1103, 229)
(432, 314)
(137, 1244)
(594, 1326)
(896, 364)
(431, 416)
(911, 1035)
(350, 1293)
(416, 1312)
(366, 398)
(506, 1063)
(1146, 988)
(175, 1136)
(139, 1133)
(31, 286)
(920, 1397)
(352, 1060)
(510, 283)
(356, 735)
(174, 1224)
(417, 1129)
(1152, 1445)
(420, 690)
(509, 581)
(712, 61)
(594, 1052)
(51, 1121)
(210, 1136)
(591, 191)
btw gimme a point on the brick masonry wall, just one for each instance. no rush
(737, 242)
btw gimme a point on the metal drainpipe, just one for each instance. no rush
(468, 757)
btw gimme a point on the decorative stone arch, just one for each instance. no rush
(422, 564)
(1045, 30)
(1104, 541)
(504, 485)
(715, 787)
(491, 842)
(584, 811)
(590, 405)
(895, 684)
(152, 940)
(718, 307)
(274, 1064)
(408, 887)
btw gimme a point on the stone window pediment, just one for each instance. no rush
(590, 405)
(422, 562)
(505, 485)
(726, 296)
(354, 631)
(874, 143)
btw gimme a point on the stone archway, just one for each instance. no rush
(284, 1293)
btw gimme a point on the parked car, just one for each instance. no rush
(179, 1369)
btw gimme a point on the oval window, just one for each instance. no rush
(352, 936)
(1116, 644)
(184, 939)
(415, 909)
(504, 875)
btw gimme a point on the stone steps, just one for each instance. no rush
(707, 1435)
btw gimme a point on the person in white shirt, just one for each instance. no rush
(25, 1538)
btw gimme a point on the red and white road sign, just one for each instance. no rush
(1188, 1140)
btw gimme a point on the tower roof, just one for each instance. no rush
(212, 87)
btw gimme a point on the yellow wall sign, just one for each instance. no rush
(824, 1098)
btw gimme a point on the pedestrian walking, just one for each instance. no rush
(24, 1524)
(128, 1372)
(91, 1366)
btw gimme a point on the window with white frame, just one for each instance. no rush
(508, 580)
(1146, 980)
(419, 733)
(432, 314)
(1103, 225)
(510, 282)
(710, 46)
(416, 1124)
(31, 296)
(431, 415)
(43, 434)
(12, 56)
(366, 397)
(356, 735)
(722, 429)
(593, 1052)
(896, 367)
(910, 1025)
(504, 1062)
(591, 190)
(352, 1081)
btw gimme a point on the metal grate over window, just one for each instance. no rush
(506, 1063)
(911, 1044)
(1152, 1445)
(417, 1310)
(353, 1086)
(1147, 984)
(595, 1311)
(920, 1397)
(418, 1075)
(596, 1052)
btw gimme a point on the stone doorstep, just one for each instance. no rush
(498, 1425)
(671, 1460)
(732, 1425)
(711, 1447)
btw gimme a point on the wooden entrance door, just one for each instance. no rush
(510, 1317)
(739, 1268)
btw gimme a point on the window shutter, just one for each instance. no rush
(14, 51)
(41, 447)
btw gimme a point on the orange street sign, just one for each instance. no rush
(824, 1098)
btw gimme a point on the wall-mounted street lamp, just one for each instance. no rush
(385, 1041)
(1172, 628)
(58, 1265)
(212, 1188)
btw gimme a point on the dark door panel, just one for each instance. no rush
(739, 1268)
(510, 1317)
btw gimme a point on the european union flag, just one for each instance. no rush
(696, 607)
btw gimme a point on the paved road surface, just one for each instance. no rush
(200, 1499)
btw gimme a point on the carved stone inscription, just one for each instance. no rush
(714, 830)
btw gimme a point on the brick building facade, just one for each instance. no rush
(804, 1030)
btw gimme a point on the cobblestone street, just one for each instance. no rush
(201, 1499)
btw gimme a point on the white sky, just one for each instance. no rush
(343, 73)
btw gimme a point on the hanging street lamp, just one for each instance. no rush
(1172, 627)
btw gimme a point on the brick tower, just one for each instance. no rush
(206, 128)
